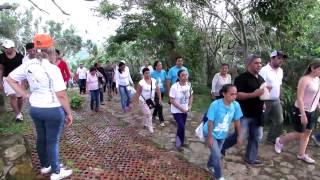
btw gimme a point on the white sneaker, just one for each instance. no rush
(63, 174)
(162, 125)
(47, 170)
(150, 129)
(19, 117)
(221, 178)
(278, 146)
(306, 158)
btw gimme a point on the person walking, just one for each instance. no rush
(50, 109)
(63, 68)
(146, 64)
(123, 80)
(82, 76)
(219, 80)
(160, 76)
(172, 75)
(272, 73)
(93, 87)
(109, 71)
(304, 112)
(102, 79)
(146, 90)
(221, 114)
(9, 60)
(181, 102)
(248, 86)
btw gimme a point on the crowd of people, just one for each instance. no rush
(254, 98)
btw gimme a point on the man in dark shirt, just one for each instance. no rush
(248, 86)
(109, 71)
(9, 60)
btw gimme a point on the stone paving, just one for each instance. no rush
(114, 145)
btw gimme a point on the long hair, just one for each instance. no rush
(119, 69)
(225, 88)
(155, 64)
(315, 63)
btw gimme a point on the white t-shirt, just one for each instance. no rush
(123, 78)
(217, 83)
(92, 81)
(149, 67)
(44, 80)
(181, 94)
(82, 72)
(25, 58)
(272, 77)
(146, 88)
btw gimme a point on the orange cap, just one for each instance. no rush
(42, 41)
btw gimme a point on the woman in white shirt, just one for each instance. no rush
(123, 80)
(304, 112)
(93, 87)
(146, 90)
(50, 109)
(219, 80)
(181, 102)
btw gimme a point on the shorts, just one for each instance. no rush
(296, 117)
(8, 89)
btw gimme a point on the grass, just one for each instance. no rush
(9, 126)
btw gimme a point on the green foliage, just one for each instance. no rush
(9, 126)
(76, 101)
(107, 10)
(289, 97)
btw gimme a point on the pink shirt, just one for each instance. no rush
(92, 81)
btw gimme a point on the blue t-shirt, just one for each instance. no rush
(161, 79)
(222, 116)
(173, 73)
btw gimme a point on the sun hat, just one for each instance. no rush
(8, 44)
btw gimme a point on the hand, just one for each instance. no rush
(184, 110)
(69, 120)
(269, 87)
(160, 102)
(258, 92)
(304, 119)
(210, 141)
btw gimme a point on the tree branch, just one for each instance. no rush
(36, 6)
(54, 2)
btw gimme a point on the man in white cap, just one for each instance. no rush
(272, 73)
(9, 60)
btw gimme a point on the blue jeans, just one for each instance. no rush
(125, 97)
(250, 129)
(317, 135)
(94, 99)
(215, 157)
(49, 123)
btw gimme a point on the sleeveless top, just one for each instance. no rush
(311, 95)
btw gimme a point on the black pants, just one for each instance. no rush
(158, 108)
(101, 94)
(82, 85)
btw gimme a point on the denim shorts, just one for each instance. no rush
(296, 117)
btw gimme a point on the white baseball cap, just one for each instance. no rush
(278, 53)
(123, 61)
(8, 44)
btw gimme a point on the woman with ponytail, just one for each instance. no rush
(304, 112)
(49, 105)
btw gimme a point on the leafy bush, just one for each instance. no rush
(76, 101)
(289, 97)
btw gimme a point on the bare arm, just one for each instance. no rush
(138, 93)
(303, 82)
(63, 98)
(177, 105)
(237, 126)
(159, 94)
(168, 83)
(17, 87)
(190, 102)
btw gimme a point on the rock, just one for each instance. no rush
(1, 167)
(22, 171)
(197, 147)
(285, 170)
(14, 152)
(291, 177)
(286, 164)
(8, 141)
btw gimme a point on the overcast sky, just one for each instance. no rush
(81, 17)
